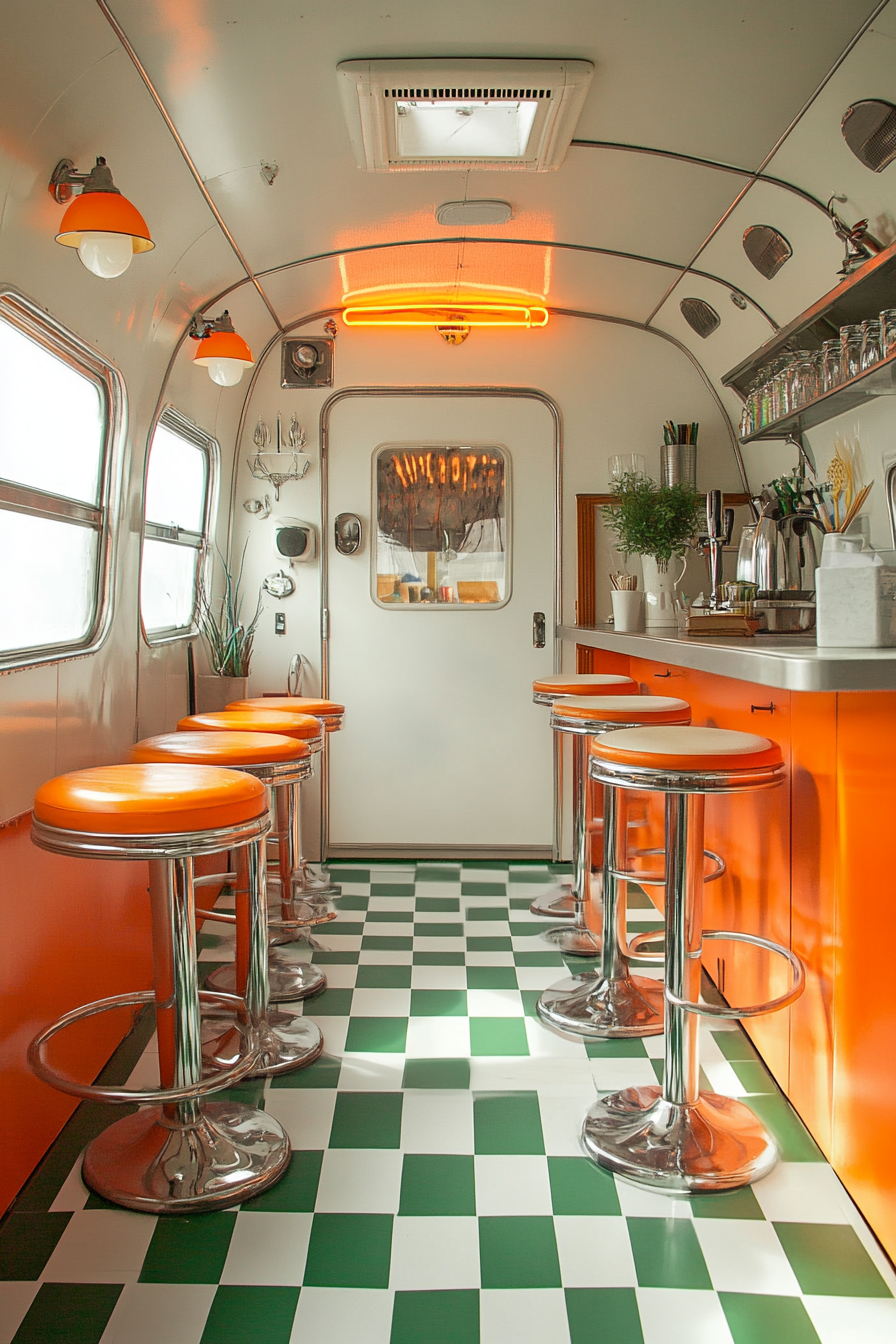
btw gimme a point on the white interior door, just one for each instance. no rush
(442, 748)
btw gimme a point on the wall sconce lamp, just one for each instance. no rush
(453, 318)
(220, 350)
(101, 223)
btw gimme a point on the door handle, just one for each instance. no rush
(538, 629)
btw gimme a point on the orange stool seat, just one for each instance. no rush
(149, 799)
(584, 683)
(686, 749)
(224, 748)
(626, 709)
(327, 710)
(301, 726)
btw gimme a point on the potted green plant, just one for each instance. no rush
(656, 522)
(229, 640)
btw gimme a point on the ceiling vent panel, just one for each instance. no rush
(445, 115)
(869, 128)
(699, 316)
(767, 249)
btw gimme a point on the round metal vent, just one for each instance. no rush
(869, 128)
(767, 249)
(699, 316)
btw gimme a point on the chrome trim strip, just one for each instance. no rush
(42, 504)
(168, 845)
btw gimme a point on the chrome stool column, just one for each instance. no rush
(184, 1154)
(610, 1002)
(676, 1137)
(560, 901)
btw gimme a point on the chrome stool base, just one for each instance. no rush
(287, 980)
(558, 903)
(574, 942)
(156, 1165)
(589, 1005)
(306, 882)
(716, 1143)
(287, 1041)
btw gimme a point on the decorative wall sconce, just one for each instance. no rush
(277, 466)
(225, 354)
(859, 243)
(101, 223)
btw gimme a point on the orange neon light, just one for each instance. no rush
(443, 313)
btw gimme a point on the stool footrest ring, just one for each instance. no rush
(753, 1010)
(118, 1096)
(633, 950)
(654, 879)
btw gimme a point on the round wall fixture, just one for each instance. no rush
(699, 316)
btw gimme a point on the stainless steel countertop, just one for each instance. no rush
(791, 662)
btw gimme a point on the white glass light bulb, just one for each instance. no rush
(106, 254)
(226, 372)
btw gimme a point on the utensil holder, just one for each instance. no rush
(678, 464)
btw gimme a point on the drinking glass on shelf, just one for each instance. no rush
(804, 387)
(850, 351)
(626, 464)
(888, 332)
(870, 353)
(830, 365)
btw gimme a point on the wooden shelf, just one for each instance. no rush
(878, 381)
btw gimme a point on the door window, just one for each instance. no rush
(442, 526)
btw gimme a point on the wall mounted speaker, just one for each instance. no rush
(699, 316)
(767, 249)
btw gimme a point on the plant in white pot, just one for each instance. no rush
(229, 640)
(656, 522)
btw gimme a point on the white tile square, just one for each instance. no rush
(524, 1316)
(353, 888)
(437, 917)
(268, 1248)
(595, 1252)
(525, 1073)
(390, 902)
(562, 1114)
(334, 941)
(381, 1003)
(396, 930)
(534, 941)
(437, 1121)
(538, 977)
(334, 1029)
(439, 977)
(489, 959)
(374, 957)
(722, 1078)
(545, 1041)
(512, 1185)
(359, 1180)
(306, 1113)
(494, 1003)
(340, 977)
(434, 1253)
(422, 943)
(343, 1316)
(438, 1038)
(484, 902)
(15, 1301)
(159, 1313)
(638, 1202)
(371, 1072)
(654, 1045)
(427, 887)
(145, 1073)
(852, 1320)
(745, 1256)
(802, 1192)
(486, 928)
(683, 1316)
(100, 1246)
(73, 1193)
(612, 1075)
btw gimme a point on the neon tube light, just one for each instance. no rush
(446, 314)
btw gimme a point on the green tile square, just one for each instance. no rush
(426, 874)
(250, 1092)
(534, 876)
(529, 998)
(383, 977)
(392, 888)
(352, 902)
(485, 865)
(507, 1122)
(390, 916)
(603, 1316)
(518, 1253)
(436, 1073)
(754, 1318)
(633, 1048)
(324, 1072)
(794, 1141)
(486, 914)
(490, 945)
(498, 1036)
(727, 1204)
(68, 1313)
(372, 942)
(829, 1260)
(582, 965)
(528, 930)
(438, 1003)
(188, 1249)
(519, 903)
(348, 874)
(332, 1003)
(349, 1250)
(379, 1035)
(348, 928)
(579, 1186)
(439, 930)
(491, 977)
(438, 958)
(366, 1120)
(296, 1190)
(753, 1076)
(538, 959)
(556, 868)
(245, 1315)
(435, 1186)
(667, 1253)
(437, 905)
(324, 957)
(27, 1240)
(483, 889)
(735, 1044)
(639, 900)
(446, 1316)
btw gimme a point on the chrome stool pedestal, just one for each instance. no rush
(675, 1137)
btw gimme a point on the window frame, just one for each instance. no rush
(38, 325)
(178, 423)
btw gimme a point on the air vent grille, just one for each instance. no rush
(459, 95)
(767, 249)
(869, 128)
(699, 316)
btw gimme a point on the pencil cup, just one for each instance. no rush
(628, 610)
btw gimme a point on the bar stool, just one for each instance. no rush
(676, 1137)
(331, 715)
(288, 1040)
(290, 912)
(560, 901)
(184, 1154)
(611, 1002)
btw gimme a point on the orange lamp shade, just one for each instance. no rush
(222, 345)
(103, 212)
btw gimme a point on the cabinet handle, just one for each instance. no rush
(663, 674)
(763, 709)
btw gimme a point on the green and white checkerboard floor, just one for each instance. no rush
(437, 1193)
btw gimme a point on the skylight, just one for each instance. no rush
(428, 129)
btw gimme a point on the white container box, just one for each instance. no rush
(856, 608)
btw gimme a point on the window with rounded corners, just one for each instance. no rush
(442, 535)
(62, 410)
(179, 503)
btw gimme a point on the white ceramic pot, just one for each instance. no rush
(660, 583)
(214, 693)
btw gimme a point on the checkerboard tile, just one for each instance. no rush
(437, 1191)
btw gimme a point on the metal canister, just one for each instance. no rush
(678, 464)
